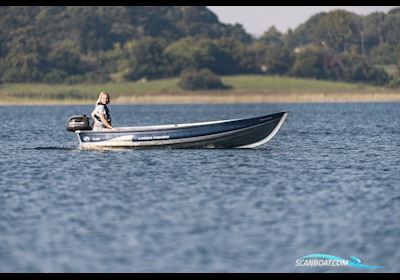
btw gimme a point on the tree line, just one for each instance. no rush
(68, 44)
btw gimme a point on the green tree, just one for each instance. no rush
(26, 57)
(391, 29)
(236, 57)
(340, 30)
(309, 63)
(146, 59)
(356, 69)
(306, 33)
(273, 56)
(373, 30)
(272, 37)
(383, 54)
(64, 57)
(188, 53)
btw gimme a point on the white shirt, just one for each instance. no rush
(99, 110)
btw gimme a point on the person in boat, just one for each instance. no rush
(101, 115)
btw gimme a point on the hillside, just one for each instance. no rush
(80, 44)
(49, 43)
(98, 28)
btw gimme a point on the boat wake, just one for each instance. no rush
(53, 148)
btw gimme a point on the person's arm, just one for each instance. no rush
(105, 122)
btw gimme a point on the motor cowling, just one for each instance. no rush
(79, 123)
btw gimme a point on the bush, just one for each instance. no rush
(200, 80)
(309, 63)
(395, 82)
(55, 76)
(22, 75)
(356, 69)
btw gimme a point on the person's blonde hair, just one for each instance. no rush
(101, 95)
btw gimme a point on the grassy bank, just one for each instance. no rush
(245, 89)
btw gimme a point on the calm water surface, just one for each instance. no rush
(327, 183)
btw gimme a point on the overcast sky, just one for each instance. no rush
(257, 19)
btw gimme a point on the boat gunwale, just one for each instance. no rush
(119, 130)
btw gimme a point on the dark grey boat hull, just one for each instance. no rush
(240, 133)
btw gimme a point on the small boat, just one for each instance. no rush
(236, 133)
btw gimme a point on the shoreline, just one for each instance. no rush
(262, 98)
(226, 98)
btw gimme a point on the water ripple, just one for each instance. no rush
(327, 183)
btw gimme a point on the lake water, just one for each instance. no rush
(328, 183)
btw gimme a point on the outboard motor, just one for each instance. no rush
(78, 123)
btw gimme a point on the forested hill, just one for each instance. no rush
(52, 43)
(98, 28)
(72, 44)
